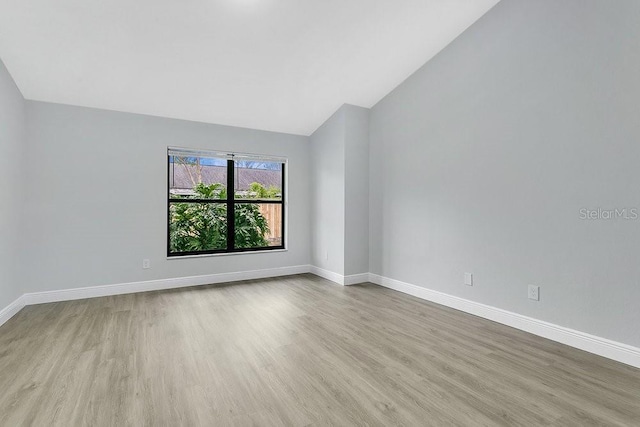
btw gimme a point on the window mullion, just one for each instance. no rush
(283, 201)
(231, 224)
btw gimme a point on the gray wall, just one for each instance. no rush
(327, 194)
(356, 236)
(97, 187)
(482, 160)
(12, 171)
(340, 192)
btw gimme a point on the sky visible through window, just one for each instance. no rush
(247, 164)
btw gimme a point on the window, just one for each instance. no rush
(221, 203)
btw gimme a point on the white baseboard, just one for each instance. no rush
(11, 310)
(339, 278)
(593, 344)
(355, 279)
(150, 285)
(329, 275)
(601, 346)
(160, 284)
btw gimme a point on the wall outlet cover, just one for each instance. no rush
(468, 279)
(534, 292)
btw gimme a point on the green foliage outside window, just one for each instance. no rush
(203, 226)
(258, 190)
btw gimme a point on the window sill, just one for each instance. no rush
(268, 251)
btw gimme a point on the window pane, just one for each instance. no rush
(258, 225)
(197, 227)
(258, 180)
(197, 178)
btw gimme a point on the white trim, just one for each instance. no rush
(593, 344)
(266, 251)
(154, 285)
(329, 275)
(11, 310)
(352, 279)
(601, 346)
(355, 279)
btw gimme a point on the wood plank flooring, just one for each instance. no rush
(294, 351)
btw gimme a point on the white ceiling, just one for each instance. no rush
(280, 65)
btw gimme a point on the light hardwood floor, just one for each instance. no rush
(296, 350)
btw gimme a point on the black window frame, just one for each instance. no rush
(231, 201)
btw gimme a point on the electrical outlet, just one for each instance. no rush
(146, 263)
(468, 279)
(326, 255)
(534, 292)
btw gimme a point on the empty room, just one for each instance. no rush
(320, 212)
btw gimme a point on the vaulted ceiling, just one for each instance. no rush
(280, 65)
